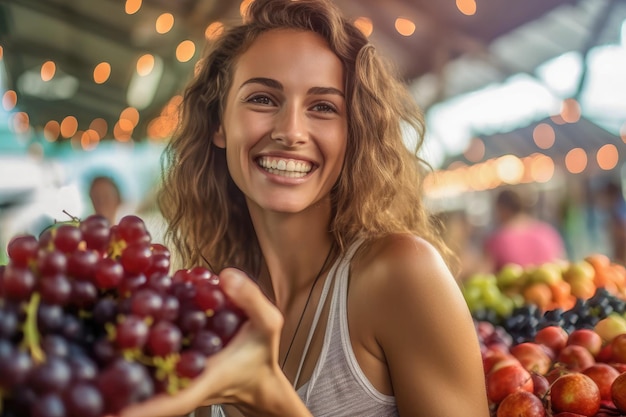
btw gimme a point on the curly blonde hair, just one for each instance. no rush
(379, 191)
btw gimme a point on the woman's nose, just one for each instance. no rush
(290, 126)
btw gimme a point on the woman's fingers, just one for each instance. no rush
(256, 344)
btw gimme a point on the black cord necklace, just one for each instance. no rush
(306, 304)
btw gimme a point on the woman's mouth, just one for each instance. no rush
(290, 168)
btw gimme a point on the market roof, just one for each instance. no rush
(78, 34)
(552, 137)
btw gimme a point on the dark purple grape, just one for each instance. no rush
(191, 321)
(73, 329)
(49, 318)
(83, 400)
(55, 289)
(123, 383)
(14, 369)
(209, 297)
(45, 240)
(81, 264)
(96, 232)
(198, 274)
(131, 283)
(146, 303)
(48, 405)
(53, 375)
(51, 262)
(105, 311)
(18, 282)
(84, 294)
(83, 368)
(160, 264)
(191, 364)
(225, 323)
(55, 345)
(159, 249)
(136, 258)
(206, 342)
(22, 249)
(131, 333)
(132, 229)
(170, 309)
(109, 273)
(104, 351)
(66, 237)
(159, 281)
(164, 339)
(184, 291)
(9, 323)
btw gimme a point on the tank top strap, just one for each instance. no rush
(344, 264)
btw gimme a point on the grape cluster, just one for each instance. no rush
(92, 320)
(524, 322)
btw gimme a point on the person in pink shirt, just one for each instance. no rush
(521, 238)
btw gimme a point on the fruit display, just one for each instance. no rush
(92, 320)
(553, 338)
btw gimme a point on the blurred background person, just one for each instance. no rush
(106, 198)
(615, 205)
(519, 237)
(461, 237)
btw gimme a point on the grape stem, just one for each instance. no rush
(31, 332)
(74, 218)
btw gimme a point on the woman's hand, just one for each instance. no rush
(242, 372)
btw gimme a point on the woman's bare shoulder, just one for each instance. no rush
(398, 255)
(402, 268)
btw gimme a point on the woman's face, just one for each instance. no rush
(285, 124)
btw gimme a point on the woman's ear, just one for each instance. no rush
(218, 138)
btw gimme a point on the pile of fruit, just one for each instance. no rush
(557, 374)
(92, 320)
(551, 286)
(553, 338)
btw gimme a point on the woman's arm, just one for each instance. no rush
(245, 372)
(426, 333)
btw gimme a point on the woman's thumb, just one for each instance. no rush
(246, 295)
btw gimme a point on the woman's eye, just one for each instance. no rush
(260, 100)
(325, 108)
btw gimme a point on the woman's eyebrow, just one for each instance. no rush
(325, 90)
(269, 82)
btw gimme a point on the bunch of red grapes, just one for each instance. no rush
(92, 320)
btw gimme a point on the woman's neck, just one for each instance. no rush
(294, 247)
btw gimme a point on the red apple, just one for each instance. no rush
(554, 337)
(494, 357)
(586, 338)
(557, 371)
(521, 404)
(567, 414)
(575, 392)
(618, 392)
(575, 357)
(603, 375)
(541, 385)
(606, 354)
(621, 367)
(618, 348)
(506, 380)
(532, 356)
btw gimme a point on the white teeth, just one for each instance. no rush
(285, 167)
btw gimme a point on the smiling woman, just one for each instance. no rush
(290, 178)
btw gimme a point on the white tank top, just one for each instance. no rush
(338, 387)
